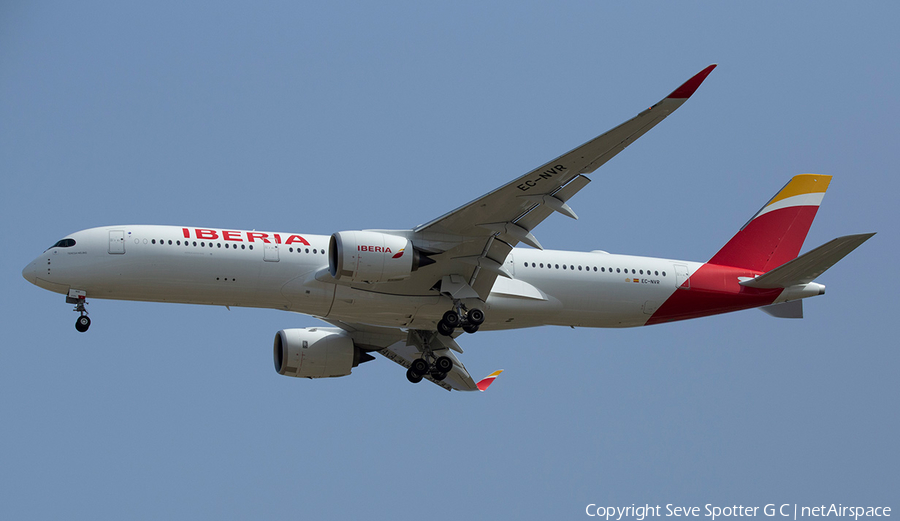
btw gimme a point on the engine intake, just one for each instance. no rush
(372, 257)
(318, 352)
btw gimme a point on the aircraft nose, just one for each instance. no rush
(30, 272)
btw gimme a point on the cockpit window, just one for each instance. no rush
(65, 243)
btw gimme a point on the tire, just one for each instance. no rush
(470, 328)
(419, 367)
(444, 329)
(438, 375)
(444, 364)
(451, 318)
(476, 317)
(82, 323)
(413, 377)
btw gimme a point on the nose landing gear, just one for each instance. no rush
(82, 323)
(460, 316)
(78, 298)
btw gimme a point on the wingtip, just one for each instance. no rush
(488, 380)
(687, 89)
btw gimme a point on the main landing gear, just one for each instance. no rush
(469, 320)
(83, 322)
(428, 364)
(436, 367)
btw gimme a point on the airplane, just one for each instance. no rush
(409, 294)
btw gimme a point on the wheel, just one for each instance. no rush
(451, 318)
(470, 328)
(419, 367)
(413, 377)
(82, 323)
(438, 375)
(476, 317)
(444, 329)
(443, 364)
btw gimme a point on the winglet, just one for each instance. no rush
(488, 380)
(689, 87)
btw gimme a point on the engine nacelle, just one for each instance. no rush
(370, 257)
(318, 352)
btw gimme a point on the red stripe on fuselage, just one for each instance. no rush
(713, 289)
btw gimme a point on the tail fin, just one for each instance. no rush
(776, 233)
(488, 380)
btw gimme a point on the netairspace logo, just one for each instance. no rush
(795, 511)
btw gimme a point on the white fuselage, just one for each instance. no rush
(285, 271)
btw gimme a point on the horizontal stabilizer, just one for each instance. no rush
(789, 309)
(810, 265)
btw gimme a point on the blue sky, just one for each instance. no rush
(322, 118)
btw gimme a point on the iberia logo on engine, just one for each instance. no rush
(374, 249)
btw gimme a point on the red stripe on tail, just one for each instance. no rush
(769, 240)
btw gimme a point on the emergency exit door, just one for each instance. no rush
(117, 241)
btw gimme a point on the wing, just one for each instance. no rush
(512, 201)
(465, 250)
(397, 345)
(473, 241)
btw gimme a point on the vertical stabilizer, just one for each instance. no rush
(776, 233)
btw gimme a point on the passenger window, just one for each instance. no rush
(195, 243)
(664, 274)
(617, 270)
(243, 247)
(170, 242)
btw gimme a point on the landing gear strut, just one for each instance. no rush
(469, 319)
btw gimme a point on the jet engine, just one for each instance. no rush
(372, 257)
(318, 352)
